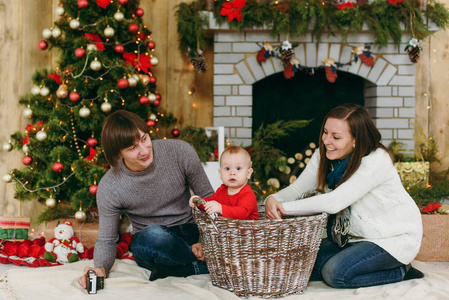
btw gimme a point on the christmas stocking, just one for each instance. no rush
(262, 55)
(288, 71)
(331, 74)
(367, 58)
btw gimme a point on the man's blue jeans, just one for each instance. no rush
(356, 265)
(170, 246)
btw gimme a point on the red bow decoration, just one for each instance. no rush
(233, 10)
(141, 63)
(31, 128)
(103, 3)
(92, 154)
(431, 207)
(348, 5)
(394, 2)
(95, 38)
(55, 77)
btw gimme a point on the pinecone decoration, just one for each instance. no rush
(198, 63)
(413, 49)
(286, 56)
(413, 53)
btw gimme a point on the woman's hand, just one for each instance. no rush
(274, 209)
(83, 279)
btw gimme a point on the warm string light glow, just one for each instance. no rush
(43, 188)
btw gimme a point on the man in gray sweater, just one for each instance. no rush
(149, 181)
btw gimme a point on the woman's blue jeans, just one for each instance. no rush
(356, 265)
(170, 246)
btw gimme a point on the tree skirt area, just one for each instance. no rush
(128, 281)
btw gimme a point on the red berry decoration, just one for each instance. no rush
(42, 45)
(93, 189)
(151, 123)
(123, 2)
(92, 142)
(119, 48)
(139, 12)
(151, 45)
(175, 133)
(80, 52)
(74, 96)
(83, 3)
(123, 83)
(57, 167)
(144, 100)
(26, 160)
(153, 79)
(133, 28)
(156, 103)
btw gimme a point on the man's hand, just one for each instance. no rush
(274, 209)
(197, 249)
(99, 271)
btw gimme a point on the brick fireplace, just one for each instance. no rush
(389, 84)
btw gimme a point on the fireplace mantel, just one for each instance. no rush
(389, 83)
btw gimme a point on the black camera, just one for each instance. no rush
(94, 282)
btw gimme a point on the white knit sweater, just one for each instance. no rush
(382, 211)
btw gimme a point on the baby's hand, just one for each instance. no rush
(213, 207)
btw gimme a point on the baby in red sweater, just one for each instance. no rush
(234, 199)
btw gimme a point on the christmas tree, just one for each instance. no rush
(106, 61)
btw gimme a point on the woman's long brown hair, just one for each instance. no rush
(367, 139)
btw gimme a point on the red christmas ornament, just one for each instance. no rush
(83, 3)
(79, 52)
(92, 142)
(151, 123)
(123, 2)
(119, 48)
(156, 103)
(139, 12)
(123, 83)
(26, 160)
(151, 45)
(144, 100)
(153, 79)
(158, 96)
(93, 189)
(175, 133)
(57, 167)
(133, 28)
(74, 96)
(42, 45)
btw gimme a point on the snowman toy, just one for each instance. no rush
(64, 247)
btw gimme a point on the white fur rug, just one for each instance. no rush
(128, 281)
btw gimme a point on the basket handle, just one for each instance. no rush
(200, 202)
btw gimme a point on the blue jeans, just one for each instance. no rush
(356, 265)
(170, 246)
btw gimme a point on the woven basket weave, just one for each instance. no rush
(264, 258)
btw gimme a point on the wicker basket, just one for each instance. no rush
(264, 258)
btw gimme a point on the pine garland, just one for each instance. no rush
(295, 18)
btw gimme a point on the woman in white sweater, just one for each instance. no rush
(374, 229)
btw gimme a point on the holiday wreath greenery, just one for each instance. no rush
(386, 19)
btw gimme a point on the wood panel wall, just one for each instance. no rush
(21, 25)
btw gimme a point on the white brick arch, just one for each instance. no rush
(389, 83)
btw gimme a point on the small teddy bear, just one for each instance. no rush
(64, 247)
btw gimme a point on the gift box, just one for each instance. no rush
(435, 240)
(87, 233)
(14, 228)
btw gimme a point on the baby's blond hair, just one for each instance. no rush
(234, 150)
